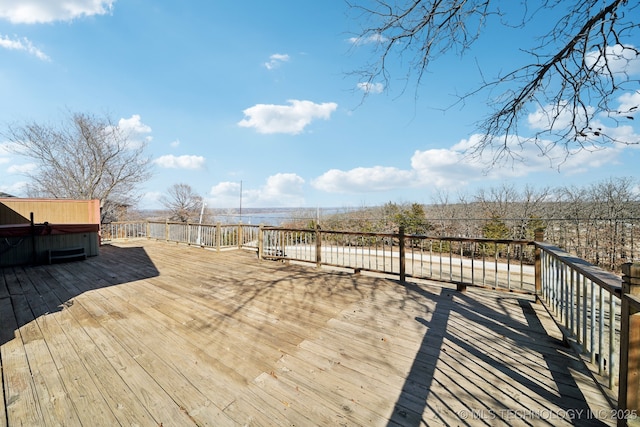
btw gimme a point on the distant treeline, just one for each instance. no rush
(599, 222)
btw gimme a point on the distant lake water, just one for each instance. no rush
(276, 216)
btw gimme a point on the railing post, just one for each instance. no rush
(240, 237)
(147, 229)
(629, 381)
(538, 237)
(260, 241)
(218, 236)
(166, 231)
(403, 273)
(318, 246)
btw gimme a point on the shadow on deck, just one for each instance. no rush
(496, 362)
(28, 292)
(155, 334)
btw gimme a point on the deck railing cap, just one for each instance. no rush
(631, 269)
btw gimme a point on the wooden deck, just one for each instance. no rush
(152, 334)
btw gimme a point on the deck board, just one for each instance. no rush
(151, 333)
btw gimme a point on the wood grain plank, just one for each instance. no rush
(164, 359)
(50, 387)
(20, 392)
(90, 403)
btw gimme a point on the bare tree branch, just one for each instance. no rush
(579, 67)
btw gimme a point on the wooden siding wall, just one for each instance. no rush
(53, 211)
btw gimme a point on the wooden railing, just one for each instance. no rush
(596, 314)
(214, 236)
(499, 264)
(585, 300)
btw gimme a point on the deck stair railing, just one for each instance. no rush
(597, 311)
(586, 302)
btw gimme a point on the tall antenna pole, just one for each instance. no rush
(200, 224)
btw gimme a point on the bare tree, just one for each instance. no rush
(579, 234)
(616, 200)
(466, 212)
(84, 157)
(527, 213)
(579, 65)
(498, 201)
(445, 214)
(183, 203)
(520, 212)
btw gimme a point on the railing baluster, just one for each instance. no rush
(612, 339)
(585, 309)
(473, 256)
(572, 302)
(521, 266)
(484, 267)
(430, 258)
(508, 267)
(592, 326)
(450, 261)
(461, 266)
(561, 297)
(440, 259)
(557, 288)
(578, 313)
(601, 332)
(563, 294)
(496, 265)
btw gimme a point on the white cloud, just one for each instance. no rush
(553, 117)
(371, 87)
(175, 143)
(135, 131)
(629, 104)
(226, 189)
(276, 60)
(373, 38)
(42, 11)
(282, 185)
(7, 151)
(377, 178)
(22, 169)
(282, 189)
(560, 117)
(6, 148)
(17, 189)
(290, 119)
(617, 59)
(226, 195)
(451, 168)
(152, 197)
(180, 162)
(625, 134)
(134, 124)
(23, 45)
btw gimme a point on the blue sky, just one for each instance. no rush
(260, 92)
